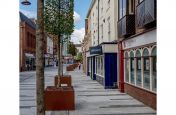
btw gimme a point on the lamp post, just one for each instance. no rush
(26, 2)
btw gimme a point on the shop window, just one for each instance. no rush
(154, 69)
(99, 65)
(138, 68)
(146, 69)
(89, 64)
(95, 64)
(132, 67)
(27, 40)
(102, 64)
(126, 67)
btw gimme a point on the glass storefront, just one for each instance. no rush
(154, 69)
(138, 68)
(146, 68)
(99, 65)
(141, 65)
(132, 67)
(126, 67)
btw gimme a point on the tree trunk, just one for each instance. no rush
(61, 56)
(39, 59)
(58, 55)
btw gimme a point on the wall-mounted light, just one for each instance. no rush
(25, 2)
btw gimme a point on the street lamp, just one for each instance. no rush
(25, 2)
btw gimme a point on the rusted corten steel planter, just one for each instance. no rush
(69, 68)
(61, 98)
(65, 79)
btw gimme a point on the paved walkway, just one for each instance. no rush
(93, 99)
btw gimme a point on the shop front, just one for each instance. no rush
(29, 61)
(49, 61)
(140, 67)
(102, 64)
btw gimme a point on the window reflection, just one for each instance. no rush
(132, 67)
(138, 68)
(126, 67)
(154, 69)
(146, 69)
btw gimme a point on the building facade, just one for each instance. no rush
(27, 43)
(102, 55)
(49, 57)
(79, 48)
(137, 49)
(87, 41)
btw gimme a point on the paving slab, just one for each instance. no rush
(92, 99)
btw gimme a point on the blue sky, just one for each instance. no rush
(81, 9)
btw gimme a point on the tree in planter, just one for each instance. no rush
(58, 18)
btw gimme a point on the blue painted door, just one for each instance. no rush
(110, 69)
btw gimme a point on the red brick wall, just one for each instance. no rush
(144, 96)
(27, 43)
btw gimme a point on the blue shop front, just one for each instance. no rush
(102, 64)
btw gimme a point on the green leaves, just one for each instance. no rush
(79, 56)
(72, 49)
(58, 17)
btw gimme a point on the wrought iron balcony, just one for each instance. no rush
(126, 26)
(146, 13)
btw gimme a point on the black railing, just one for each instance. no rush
(126, 26)
(146, 13)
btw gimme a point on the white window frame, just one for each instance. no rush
(142, 70)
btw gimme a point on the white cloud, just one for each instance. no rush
(29, 14)
(78, 35)
(77, 17)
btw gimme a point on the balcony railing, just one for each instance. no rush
(146, 13)
(126, 26)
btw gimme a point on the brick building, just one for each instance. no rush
(27, 43)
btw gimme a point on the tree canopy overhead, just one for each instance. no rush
(58, 17)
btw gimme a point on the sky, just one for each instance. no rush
(80, 11)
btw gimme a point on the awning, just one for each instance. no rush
(29, 55)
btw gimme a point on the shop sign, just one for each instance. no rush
(96, 50)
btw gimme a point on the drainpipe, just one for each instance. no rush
(98, 19)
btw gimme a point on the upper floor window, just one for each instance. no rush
(108, 3)
(101, 7)
(109, 29)
(102, 31)
(122, 8)
(139, 1)
(125, 7)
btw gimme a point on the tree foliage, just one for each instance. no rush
(58, 17)
(72, 49)
(79, 56)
